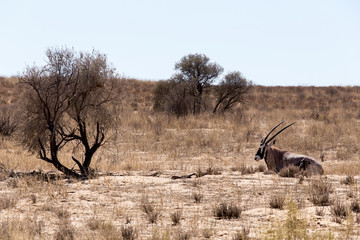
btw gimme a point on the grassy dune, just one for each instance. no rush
(146, 149)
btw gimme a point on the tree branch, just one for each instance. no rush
(80, 166)
(42, 153)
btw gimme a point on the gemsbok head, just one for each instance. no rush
(276, 159)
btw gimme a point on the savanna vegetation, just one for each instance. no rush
(143, 143)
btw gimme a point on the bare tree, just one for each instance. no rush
(68, 100)
(196, 70)
(232, 89)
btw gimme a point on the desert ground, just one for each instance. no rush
(231, 196)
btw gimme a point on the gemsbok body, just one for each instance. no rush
(276, 159)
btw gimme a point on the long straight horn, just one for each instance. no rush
(272, 131)
(279, 132)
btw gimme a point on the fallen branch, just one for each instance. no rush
(183, 176)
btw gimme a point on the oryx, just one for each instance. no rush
(276, 158)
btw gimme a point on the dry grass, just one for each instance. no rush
(339, 211)
(227, 211)
(320, 192)
(7, 202)
(152, 213)
(242, 235)
(128, 232)
(146, 149)
(349, 180)
(320, 211)
(175, 217)
(355, 206)
(277, 201)
(27, 228)
(290, 171)
(197, 196)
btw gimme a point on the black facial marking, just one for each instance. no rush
(261, 151)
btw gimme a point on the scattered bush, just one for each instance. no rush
(182, 235)
(207, 233)
(175, 218)
(349, 180)
(172, 97)
(247, 170)
(320, 211)
(160, 235)
(320, 192)
(128, 232)
(109, 231)
(244, 169)
(149, 209)
(339, 211)
(61, 213)
(94, 223)
(227, 211)
(355, 206)
(7, 123)
(197, 197)
(65, 232)
(209, 171)
(242, 235)
(293, 228)
(321, 199)
(277, 201)
(350, 193)
(13, 182)
(27, 228)
(7, 202)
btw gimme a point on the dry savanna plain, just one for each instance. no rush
(231, 196)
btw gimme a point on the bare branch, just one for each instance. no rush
(79, 165)
(42, 153)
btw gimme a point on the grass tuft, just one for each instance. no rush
(148, 208)
(339, 211)
(175, 218)
(355, 206)
(197, 196)
(182, 235)
(349, 180)
(65, 231)
(242, 235)
(8, 202)
(94, 223)
(227, 211)
(128, 232)
(320, 192)
(320, 211)
(277, 201)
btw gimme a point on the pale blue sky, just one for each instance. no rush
(272, 42)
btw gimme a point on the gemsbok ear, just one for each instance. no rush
(272, 143)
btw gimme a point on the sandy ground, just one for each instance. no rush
(117, 200)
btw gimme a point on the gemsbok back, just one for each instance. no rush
(276, 159)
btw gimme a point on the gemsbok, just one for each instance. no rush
(276, 159)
